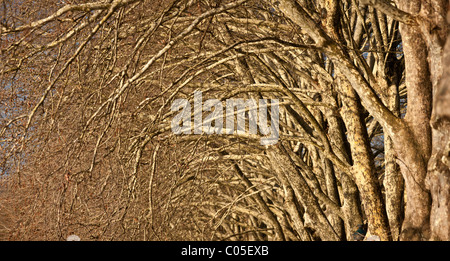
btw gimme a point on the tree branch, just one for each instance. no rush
(392, 11)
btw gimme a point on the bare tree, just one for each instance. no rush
(85, 121)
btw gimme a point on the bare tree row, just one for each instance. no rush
(86, 145)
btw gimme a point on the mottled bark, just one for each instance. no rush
(393, 181)
(423, 34)
(324, 168)
(413, 145)
(293, 209)
(283, 165)
(333, 194)
(348, 194)
(393, 188)
(363, 165)
(438, 177)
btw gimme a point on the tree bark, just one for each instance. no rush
(438, 177)
(363, 165)
(413, 142)
(285, 168)
(349, 196)
(422, 45)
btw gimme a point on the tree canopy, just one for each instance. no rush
(86, 145)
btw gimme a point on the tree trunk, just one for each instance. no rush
(422, 45)
(285, 169)
(393, 181)
(349, 196)
(393, 185)
(363, 165)
(438, 177)
(414, 145)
